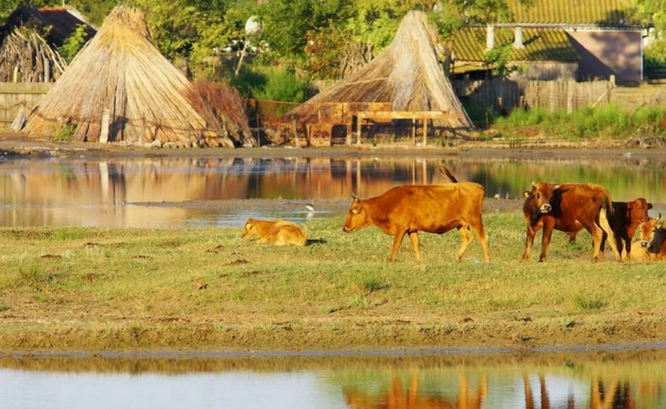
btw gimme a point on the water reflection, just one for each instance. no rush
(179, 192)
(625, 380)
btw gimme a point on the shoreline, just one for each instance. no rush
(17, 146)
(572, 349)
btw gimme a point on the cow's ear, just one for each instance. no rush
(649, 206)
(527, 193)
(248, 226)
(557, 187)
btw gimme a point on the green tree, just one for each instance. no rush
(74, 43)
(653, 12)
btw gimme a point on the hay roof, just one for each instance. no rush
(407, 74)
(121, 71)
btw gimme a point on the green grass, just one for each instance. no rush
(101, 289)
(609, 122)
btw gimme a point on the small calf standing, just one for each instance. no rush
(278, 232)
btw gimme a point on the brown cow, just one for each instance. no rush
(433, 209)
(569, 207)
(646, 234)
(279, 232)
(624, 221)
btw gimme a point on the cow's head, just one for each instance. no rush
(357, 217)
(645, 230)
(543, 194)
(638, 210)
(249, 229)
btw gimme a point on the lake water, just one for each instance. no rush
(601, 380)
(191, 192)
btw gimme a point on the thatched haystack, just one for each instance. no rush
(27, 57)
(224, 110)
(406, 74)
(120, 88)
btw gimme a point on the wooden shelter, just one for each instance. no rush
(120, 88)
(26, 56)
(404, 79)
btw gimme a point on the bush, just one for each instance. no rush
(282, 85)
(606, 122)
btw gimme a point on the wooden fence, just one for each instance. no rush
(504, 95)
(14, 95)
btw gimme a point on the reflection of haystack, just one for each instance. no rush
(407, 74)
(120, 83)
(27, 57)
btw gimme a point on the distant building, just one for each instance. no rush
(559, 39)
(58, 22)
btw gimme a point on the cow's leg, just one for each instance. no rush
(397, 241)
(483, 239)
(548, 226)
(414, 238)
(572, 237)
(627, 246)
(466, 238)
(597, 237)
(529, 240)
(602, 246)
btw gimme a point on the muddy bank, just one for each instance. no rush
(14, 145)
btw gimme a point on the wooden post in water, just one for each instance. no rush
(413, 131)
(358, 177)
(359, 125)
(424, 167)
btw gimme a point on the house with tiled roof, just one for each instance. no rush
(558, 39)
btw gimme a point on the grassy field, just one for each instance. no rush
(64, 289)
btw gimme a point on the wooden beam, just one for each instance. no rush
(425, 131)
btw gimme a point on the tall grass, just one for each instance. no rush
(601, 122)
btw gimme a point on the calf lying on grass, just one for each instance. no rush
(640, 250)
(278, 232)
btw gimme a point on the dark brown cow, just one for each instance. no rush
(657, 246)
(624, 221)
(433, 209)
(570, 207)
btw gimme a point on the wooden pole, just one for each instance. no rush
(293, 124)
(425, 132)
(359, 125)
(104, 132)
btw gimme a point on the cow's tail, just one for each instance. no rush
(446, 172)
(605, 213)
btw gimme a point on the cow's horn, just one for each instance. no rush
(659, 218)
(355, 197)
(533, 184)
